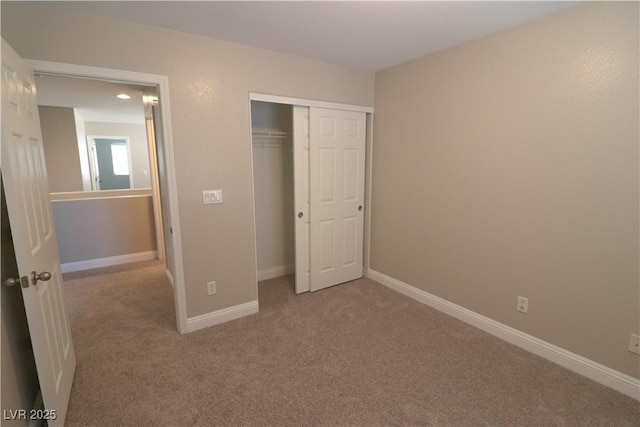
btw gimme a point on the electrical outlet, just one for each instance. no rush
(211, 288)
(523, 304)
(634, 344)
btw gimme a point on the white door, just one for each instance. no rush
(301, 195)
(336, 183)
(25, 180)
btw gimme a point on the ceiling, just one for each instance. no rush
(94, 100)
(368, 35)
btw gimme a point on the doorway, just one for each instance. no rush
(310, 166)
(157, 113)
(79, 118)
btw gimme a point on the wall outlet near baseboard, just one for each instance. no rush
(523, 304)
(211, 288)
(634, 344)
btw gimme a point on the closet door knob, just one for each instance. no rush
(360, 207)
(300, 214)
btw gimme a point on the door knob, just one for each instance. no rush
(300, 214)
(360, 207)
(23, 281)
(44, 276)
(11, 282)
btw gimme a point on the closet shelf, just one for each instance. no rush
(271, 134)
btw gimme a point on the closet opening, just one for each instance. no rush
(272, 145)
(310, 166)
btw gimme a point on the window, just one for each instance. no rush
(120, 159)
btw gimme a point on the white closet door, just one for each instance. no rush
(336, 183)
(301, 196)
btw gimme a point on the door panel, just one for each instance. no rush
(350, 240)
(27, 194)
(337, 156)
(327, 175)
(301, 196)
(108, 179)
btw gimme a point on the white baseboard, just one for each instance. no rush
(623, 383)
(107, 262)
(270, 273)
(221, 316)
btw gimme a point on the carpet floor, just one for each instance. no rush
(357, 354)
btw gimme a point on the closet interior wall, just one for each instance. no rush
(272, 130)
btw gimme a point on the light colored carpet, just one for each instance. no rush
(355, 354)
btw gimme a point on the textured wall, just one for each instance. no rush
(100, 228)
(61, 149)
(509, 166)
(210, 81)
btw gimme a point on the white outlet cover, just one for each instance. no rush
(523, 304)
(634, 344)
(211, 288)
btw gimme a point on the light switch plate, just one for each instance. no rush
(211, 196)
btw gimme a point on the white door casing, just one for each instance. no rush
(31, 219)
(301, 196)
(336, 183)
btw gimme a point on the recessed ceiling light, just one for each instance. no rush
(123, 96)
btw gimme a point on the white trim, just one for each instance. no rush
(108, 261)
(254, 96)
(618, 381)
(368, 182)
(221, 316)
(99, 195)
(152, 151)
(273, 272)
(170, 278)
(254, 228)
(162, 83)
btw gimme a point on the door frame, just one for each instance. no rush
(91, 144)
(276, 99)
(162, 83)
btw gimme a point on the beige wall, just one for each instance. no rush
(273, 185)
(61, 148)
(96, 228)
(138, 146)
(509, 166)
(209, 83)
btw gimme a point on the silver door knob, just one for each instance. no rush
(11, 282)
(300, 214)
(44, 276)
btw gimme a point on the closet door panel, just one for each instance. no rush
(301, 197)
(337, 148)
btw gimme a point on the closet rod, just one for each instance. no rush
(270, 134)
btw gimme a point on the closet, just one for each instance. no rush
(309, 172)
(272, 138)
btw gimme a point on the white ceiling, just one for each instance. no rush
(369, 35)
(95, 100)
